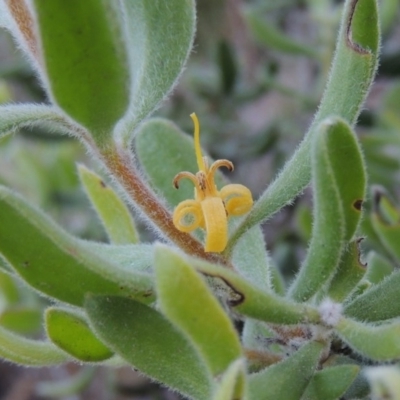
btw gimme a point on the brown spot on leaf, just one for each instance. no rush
(358, 204)
(102, 184)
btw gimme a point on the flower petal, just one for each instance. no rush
(188, 216)
(216, 224)
(237, 198)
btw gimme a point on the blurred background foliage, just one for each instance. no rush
(254, 78)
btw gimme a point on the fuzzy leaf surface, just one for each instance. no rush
(352, 72)
(232, 385)
(55, 263)
(71, 333)
(339, 189)
(14, 117)
(378, 343)
(187, 301)
(28, 352)
(148, 341)
(288, 379)
(84, 55)
(378, 268)
(249, 300)
(159, 38)
(380, 302)
(112, 211)
(331, 383)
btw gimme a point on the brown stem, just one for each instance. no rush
(120, 164)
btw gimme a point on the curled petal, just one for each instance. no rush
(188, 216)
(216, 224)
(220, 163)
(237, 198)
(187, 175)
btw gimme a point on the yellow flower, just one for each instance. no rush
(211, 207)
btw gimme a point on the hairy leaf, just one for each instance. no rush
(187, 301)
(148, 341)
(112, 211)
(84, 56)
(69, 331)
(350, 78)
(55, 263)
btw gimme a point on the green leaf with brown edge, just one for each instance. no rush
(233, 383)
(186, 300)
(112, 211)
(85, 61)
(148, 341)
(23, 320)
(158, 140)
(331, 383)
(28, 352)
(70, 332)
(352, 72)
(376, 342)
(249, 300)
(349, 273)
(339, 188)
(159, 38)
(379, 303)
(288, 379)
(57, 264)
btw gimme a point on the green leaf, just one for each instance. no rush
(232, 385)
(339, 189)
(85, 60)
(288, 379)
(159, 140)
(380, 302)
(160, 36)
(9, 294)
(55, 263)
(350, 271)
(331, 383)
(34, 353)
(195, 310)
(378, 267)
(112, 211)
(71, 333)
(14, 117)
(148, 341)
(21, 319)
(271, 37)
(350, 78)
(379, 343)
(247, 299)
